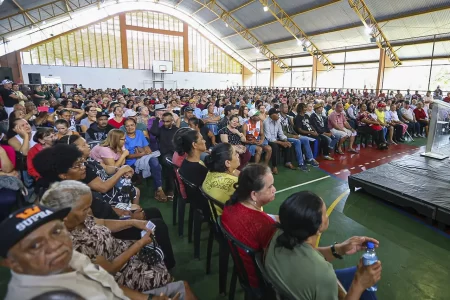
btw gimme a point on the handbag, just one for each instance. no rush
(151, 254)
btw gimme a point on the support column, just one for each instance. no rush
(186, 46)
(383, 63)
(14, 62)
(246, 76)
(275, 73)
(123, 40)
(316, 68)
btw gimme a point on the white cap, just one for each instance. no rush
(6, 81)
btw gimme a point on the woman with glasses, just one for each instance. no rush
(44, 138)
(67, 162)
(91, 113)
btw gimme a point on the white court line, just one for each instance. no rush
(304, 183)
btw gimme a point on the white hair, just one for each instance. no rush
(64, 194)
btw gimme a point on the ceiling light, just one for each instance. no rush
(257, 50)
(369, 30)
(226, 24)
(265, 8)
(307, 43)
(299, 42)
(43, 22)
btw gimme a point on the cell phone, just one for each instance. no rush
(150, 226)
(51, 109)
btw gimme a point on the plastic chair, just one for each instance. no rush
(280, 295)
(196, 214)
(176, 200)
(216, 233)
(239, 271)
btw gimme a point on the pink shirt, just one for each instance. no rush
(178, 160)
(99, 153)
(10, 153)
(336, 118)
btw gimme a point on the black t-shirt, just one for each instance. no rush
(196, 173)
(8, 101)
(120, 193)
(303, 123)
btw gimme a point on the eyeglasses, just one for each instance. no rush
(79, 165)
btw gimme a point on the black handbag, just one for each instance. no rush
(151, 254)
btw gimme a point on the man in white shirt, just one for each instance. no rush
(409, 119)
(37, 248)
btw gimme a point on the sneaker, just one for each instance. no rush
(313, 163)
(303, 167)
(328, 157)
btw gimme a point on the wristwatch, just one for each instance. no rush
(333, 251)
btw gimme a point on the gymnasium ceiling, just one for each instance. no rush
(410, 25)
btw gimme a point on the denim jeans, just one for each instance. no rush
(156, 170)
(332, 141)
(345, 276)
(303, 140)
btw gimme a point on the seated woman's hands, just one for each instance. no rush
(354, 244)
(146, 239)
(367, 276)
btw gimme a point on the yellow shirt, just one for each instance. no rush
(347, 105)
(330, 111)
(380, 115)
(219, 186)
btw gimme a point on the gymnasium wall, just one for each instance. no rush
(114, 78)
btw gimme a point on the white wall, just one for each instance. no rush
(101, 78)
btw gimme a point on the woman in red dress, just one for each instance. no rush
(118, 119)
(243, 215)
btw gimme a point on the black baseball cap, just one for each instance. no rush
(273, 111)
(102, 114)
(188, 108)
(24, 221)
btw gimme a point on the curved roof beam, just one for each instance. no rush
(289, 24)
(292, 16)
(352, 26)
(92, 15)
(243, 32)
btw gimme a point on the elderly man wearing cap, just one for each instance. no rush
(8, 96)
(319, 123)
(37, 248)
(274, 134)
(256, 142)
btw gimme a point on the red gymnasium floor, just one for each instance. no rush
(351, 163)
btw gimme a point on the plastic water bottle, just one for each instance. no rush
(369, 258)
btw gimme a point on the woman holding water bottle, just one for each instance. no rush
(302, 271)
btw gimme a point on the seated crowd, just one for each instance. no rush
(82, 154)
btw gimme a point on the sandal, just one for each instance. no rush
(160, 196)
(340, 152)
(290, 166)
(353, 151)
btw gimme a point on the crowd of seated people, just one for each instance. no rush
(84, 152)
